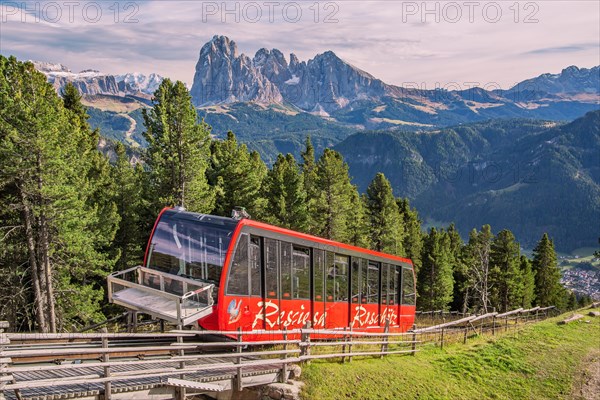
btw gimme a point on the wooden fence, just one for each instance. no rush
(36, 365)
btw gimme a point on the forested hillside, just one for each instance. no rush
(525, 175)
(70, 215)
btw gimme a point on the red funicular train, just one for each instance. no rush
(269, 278)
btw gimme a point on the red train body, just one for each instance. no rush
(270, 278)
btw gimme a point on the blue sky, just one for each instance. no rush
(427, 44)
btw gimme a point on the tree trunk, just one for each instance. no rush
(46, 267)
(466, 301)
(36, 277)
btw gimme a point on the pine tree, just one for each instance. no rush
(547, 275)
(285, 195)
(385, 228)
(96, 181)
(528, 283)
(309, 177)
(462, 280)
(334, 197)
(238, 177)
(178, 150)
(477, 254)
(129, 240)
(96, 174)
(435, 281)
(358, 224)
(505, 277)
(413, 238)
(45, 164)
(572, 303)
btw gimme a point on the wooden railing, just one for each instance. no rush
(181, 358)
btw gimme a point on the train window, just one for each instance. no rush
(364, 281)
(373, 283)
(393, 292)
(285, 262)
(271, 256)
(384, 283)
(330, 275)
(318, 273)
(193, 248)
(408, 287)
(356, 280)
(239, 279)
(254, 256)
(300, 273)
(337, 277)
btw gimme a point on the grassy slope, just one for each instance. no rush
(541, 362)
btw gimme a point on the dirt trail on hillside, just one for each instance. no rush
(131, 127)
(587, 387)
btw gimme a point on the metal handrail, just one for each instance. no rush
(142, 279)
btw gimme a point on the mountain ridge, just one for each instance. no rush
(327, 85)
(524, 175)
(93, 82)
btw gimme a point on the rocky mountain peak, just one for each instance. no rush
(324, 84)
(220, 45)
(293, 61)
(223, 76)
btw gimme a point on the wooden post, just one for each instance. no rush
(494, 325)
(442, 339)
(238, 378)
(307, 351)
(481, 327)
(466, 332)
(384, 346)
(303, 340)
(414, 340)
(283, 377)
(106, 358)
(350, 345)
(344, 338)
(506, 323)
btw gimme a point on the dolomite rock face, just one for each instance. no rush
(323, 84)
(223, 76)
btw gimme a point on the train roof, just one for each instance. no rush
(245, 222)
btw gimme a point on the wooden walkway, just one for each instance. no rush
(151, 376)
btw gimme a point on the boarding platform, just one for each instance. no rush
(176, 299)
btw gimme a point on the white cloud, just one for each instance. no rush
(391, 40)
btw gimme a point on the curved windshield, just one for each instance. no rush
(191, 245)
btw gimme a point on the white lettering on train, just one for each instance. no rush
(269, 312)
(363, 317)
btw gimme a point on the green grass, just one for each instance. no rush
(540, 362)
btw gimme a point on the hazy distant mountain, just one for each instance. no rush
(93, 82)
(571, 80)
